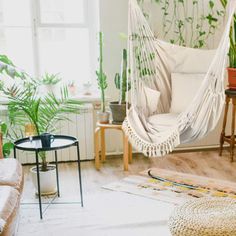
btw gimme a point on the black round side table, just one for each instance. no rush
(60, 142)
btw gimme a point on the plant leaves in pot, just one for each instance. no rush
(27, 106)
(118, 108)
(232, 58)
(232, 52)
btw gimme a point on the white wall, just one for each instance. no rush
(113, 21)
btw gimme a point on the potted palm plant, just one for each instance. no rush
(118, 108)
(103, 115)
(25, 106)
(232, 52)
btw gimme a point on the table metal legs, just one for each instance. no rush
(79, 170)
(58, 189)
(57, 177)
(14, 152)
(38, 180)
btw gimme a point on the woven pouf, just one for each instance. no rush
(204, 217)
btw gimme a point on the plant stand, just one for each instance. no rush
(60, 142)
(100, 131)
(230, 95)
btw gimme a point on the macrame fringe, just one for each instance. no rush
(151, 149)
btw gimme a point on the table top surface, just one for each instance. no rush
(230, 92)
(109, 125)
(34, 143)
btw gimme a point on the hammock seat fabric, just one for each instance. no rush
(149, 125)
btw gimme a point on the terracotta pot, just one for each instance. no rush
(103, 117)
(232, 78)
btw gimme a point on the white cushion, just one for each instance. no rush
(187, 60)
(184, 88)
(151, 98)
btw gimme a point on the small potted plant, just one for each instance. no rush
(87, 88)
(72, 88)
(103, 115)
(49, 81)
(232, 58)
(118, 108)
(232, 52)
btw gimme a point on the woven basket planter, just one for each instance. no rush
(204, 217)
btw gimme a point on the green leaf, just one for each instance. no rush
(3, 128)
(201, 33)
(7, 147)
(211, 4)
(6, 60)
(211, 19)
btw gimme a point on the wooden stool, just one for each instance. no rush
(230, 94)
(127, 156)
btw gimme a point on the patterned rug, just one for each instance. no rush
(173, 187)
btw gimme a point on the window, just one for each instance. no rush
(55, 36)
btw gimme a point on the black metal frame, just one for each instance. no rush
(37, 150)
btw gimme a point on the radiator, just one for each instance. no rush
(79, 125)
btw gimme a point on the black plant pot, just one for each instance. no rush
(118, 112)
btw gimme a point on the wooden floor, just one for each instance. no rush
(206, 163)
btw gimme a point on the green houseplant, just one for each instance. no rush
(103, 115)
(232, 52)
(7, 67)
(118, 108)
(26, 106)
(50, 81)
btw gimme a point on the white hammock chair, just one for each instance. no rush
(150, 126)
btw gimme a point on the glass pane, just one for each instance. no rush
(62, 11)
(16, 43)
(65, 51)
(15, 13)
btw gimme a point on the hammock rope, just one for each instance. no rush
(151, 62)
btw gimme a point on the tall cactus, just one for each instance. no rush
(101, 77)
(121, 79)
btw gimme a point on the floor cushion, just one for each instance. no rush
(204, 216)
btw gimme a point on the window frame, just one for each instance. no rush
(61, 25)
(90, 22)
